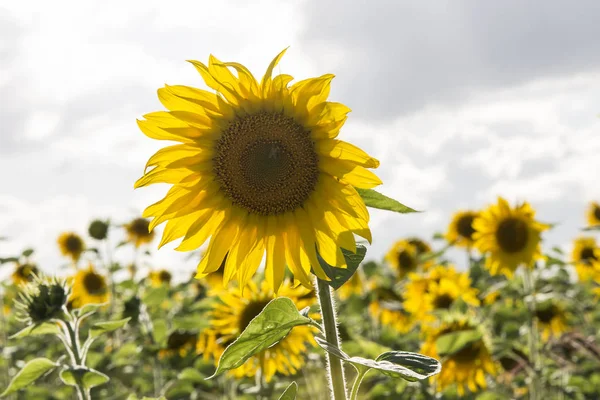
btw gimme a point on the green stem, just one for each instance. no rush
(356, 385)
(82, 392)
(335, 369)
(529, 286)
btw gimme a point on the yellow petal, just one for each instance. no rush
(275, 261)
(266, 80)
(201, 230)
(345, 151)
(350, 173)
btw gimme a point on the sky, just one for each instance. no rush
(461, 102)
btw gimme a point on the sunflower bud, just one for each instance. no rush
(98, 229)
(42, 300)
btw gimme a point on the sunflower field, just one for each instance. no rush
(285, 303)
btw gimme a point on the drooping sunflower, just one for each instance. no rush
(231, 316)
(138, 232)
(259, 170)
(24, 273)
(386, 308)
(179, 343)
(460, 231)
(89, 287)
(403, 258)
(160, 278)
(509, 236)
(71, 245)
(468, 367)
(552, 319)
(585, 255)
(593, 214)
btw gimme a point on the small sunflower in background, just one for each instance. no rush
(386, 307)
(403, 258)
(509, 236)
(467, 368)
(260, 171)
(418, 285)
(460, 231)
(552, 319)
(179, 343)
(584, 256)
(232, 314)
(138, 232)
(160, 278)
(71, 245)
(89, 287)
(421, 246)
(593, 214)
(354, 286)
(24, 273)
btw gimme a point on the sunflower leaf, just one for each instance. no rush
(452, 343)
(290, 392)
(375, 199)
(273, 324)
(102, 327)
(88, 377)
(339, 276)
(44, 328)
(33, 370)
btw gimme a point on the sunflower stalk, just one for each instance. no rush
(529, 287)
(335, 369)
(72, 345)
(359, 378)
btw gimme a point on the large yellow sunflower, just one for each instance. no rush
(259, 170)
(460, 231)
(139, 232)
(403, 258)
(584, 256)
(71, 245)
(552, 319)
(468, 367)
(508, 236)
(593, 214)
(24, 273)
(231, 316)
(89, 287)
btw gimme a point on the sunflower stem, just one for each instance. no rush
(529, 287)
(335, 369)
(359, 377)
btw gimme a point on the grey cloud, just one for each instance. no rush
(398, 56)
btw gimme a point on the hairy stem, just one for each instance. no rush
(356, 385)
(335, 369)
(529, 286)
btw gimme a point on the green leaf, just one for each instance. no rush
(45, 328)
(102, 327)
(375, 199)
(160, 330)
(9, 259)
(155, 296)
(29, 374)
(400, 364)
(27, 252)
(452, 343)
(273, 323)
(89, 377)
(339, 276)
(191, 374)
(290, 392)
(88, 308)
(592, 228)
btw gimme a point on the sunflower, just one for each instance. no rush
(421, 246)
(466, 368)
(439, 290)
(460, 231)
(179, 343)
(386, 307)
(231, 316)
(593, 214)
(585, 255)
(354, 286)
(552, 319)
(403, 258)
(259, 170)
(160, 278)
(89, 287)
(138, 232)
(71, 245)
(511, 236)
(24, 273)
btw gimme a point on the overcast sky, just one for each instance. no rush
(461, 101)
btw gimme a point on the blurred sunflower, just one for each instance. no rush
(509, 236)
(585, 254)
(71, 245)
(259, 171)
(466, 368)
(460, 231)
(403, 258)
(386, 307)
(354, 286)
(593, 214)
(421, 246)
(89, 287)
(233, 313)
(179, 343)
(552, 319)
(24, 273)
(160, 278)
(138, 232)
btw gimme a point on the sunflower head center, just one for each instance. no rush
(597, 212)
(74, 244)
(464, 227)
(179, 339)
(406, 261)
(250, 311)
(164, 276)
(420, 246)
(469, 353)
(587, 255)
(139, 227)
(94, 283)
(546, 314)
(443, 301)
(266, 163)
(512, 235)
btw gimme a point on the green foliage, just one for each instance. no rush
(339, 276)
(32, 371)
(87, 376)
(452, 343)
(375, 199)
(290, 392)
(102, 327)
